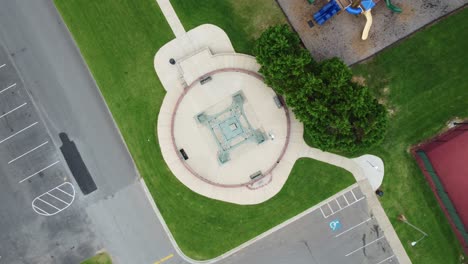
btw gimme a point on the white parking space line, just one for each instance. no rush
(64, 192)
(330, 208)
(57, 198)
(51, 205)
(386, 259)
(344, 232)
(3, 65)
(336, 201)
(350, 253)
(41, 170)
(362, 198)
(322, 212)
(42, 210)
(353, 194)
(5, 139)
(27, 152)
(14, 109)
(344, 196)
(13, 85)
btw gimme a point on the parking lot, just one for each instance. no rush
(341, 230)
(29, 160)
(34, 184)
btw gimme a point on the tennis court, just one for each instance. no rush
(444, 162)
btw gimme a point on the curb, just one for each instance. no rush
(245, 244)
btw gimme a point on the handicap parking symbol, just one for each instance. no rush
(335, 225)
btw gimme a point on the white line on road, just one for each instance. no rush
(364, 246)
(27, 152)
(3, 140)
(58, 198)
(353, 227)
(64, 192)
(40, 209)
(353, 194)
(386, 259)
(51, 205)
(345, 199)
(11, 111)
(330, 207)
(336, 200)
(362, 198)
(7, 88)
(41, 170)
(3, 65)
(322, 212)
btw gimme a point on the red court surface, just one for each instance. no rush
(450, 161)
(448, 154)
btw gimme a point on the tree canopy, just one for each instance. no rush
(337, 113)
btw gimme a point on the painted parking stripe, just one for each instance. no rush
(353, 227)
(322, 212)
(353, 194)
(57, 198)
(58, 188)
(336, 201)
(3, 65)
(385, 259)
(27, 152)
(12, 110)
(362, 198)
(11, 86)
(39, 209)
(49, 204)
(350, 253)
(344, 196)
(5, 139)
(38, 203)
(39, 171)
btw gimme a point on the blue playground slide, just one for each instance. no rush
(365, 5)
(354, 10)
(327, 12)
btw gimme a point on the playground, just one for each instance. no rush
(443, 162)
(355, 30)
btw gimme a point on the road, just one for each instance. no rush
(117, 216)
(61, 97)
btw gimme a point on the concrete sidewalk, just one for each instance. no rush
(171, 17)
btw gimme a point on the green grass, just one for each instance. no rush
(101, 258)
(118, 39)
(424, 81)
(243, 20)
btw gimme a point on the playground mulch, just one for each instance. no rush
(447, 174)
(341, 35)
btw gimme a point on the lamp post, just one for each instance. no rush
(403, 219)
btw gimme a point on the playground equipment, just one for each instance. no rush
(327, 12)
(355, 7)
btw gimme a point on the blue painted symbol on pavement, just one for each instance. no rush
(335, 225)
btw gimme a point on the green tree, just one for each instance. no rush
(337, 113)
(284, 62)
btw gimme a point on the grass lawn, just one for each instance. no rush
(243, 20)
(118, 39)
(423, 80)
(101, 258)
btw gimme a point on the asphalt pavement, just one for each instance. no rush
(117, 217)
